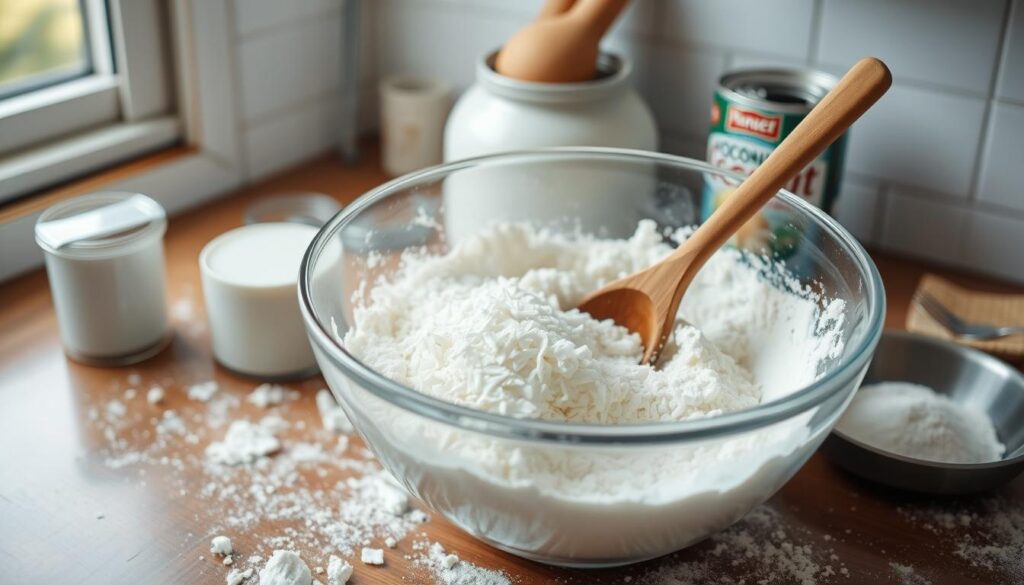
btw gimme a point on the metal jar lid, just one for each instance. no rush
(100, 225)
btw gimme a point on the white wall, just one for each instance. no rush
(932, 171)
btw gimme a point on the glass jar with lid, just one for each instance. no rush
(105, 262)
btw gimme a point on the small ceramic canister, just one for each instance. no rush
(250, 276)
(105, 262)
(413, 114)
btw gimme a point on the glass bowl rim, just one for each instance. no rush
(406, 398)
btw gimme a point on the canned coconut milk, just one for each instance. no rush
(752, 112)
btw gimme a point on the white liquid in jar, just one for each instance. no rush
(249, 283)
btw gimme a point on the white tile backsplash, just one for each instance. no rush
(680, 87)
(419, 38)
(923, 228)
(917, 183)
(920, 138)
(857, 209)
(287, 139)
(256, 15)
(748, 60)
(952, 43)
(289, 66)
(1002, 170)
(780, 27)
(1011, 73)
(995, 243)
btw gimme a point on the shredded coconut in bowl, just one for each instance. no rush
(491, 325)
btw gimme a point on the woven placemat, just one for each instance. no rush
(997, 309)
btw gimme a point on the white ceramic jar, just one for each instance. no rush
(250, 280)
(500, 114)
(105, 262)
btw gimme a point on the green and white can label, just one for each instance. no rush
(751, 113)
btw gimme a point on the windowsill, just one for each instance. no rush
(87, 152)
(92, 182)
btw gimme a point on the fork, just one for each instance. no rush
(957, 326)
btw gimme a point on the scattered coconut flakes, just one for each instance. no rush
(203, 391)
(244, 442)
(371, 556)
(235, 577)
(757, 549)
(267, 395)
(331, 414)
(342, 516)
(285, 567)
(129, 394)
(338, 571)
(434, 557)
(155, 395)
(115, 410)
(134, 378)
(908, 576)
(220, 545)
(390, 542)
(995, 541)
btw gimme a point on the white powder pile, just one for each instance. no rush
(338, 571)
(220, 545)
(491, 325)
(203, 391)
(448, 569)
(285, 568)
(267, 395)
(243, 443)
(236, 577)
(914, 421)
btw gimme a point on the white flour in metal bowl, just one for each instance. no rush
(491, 325)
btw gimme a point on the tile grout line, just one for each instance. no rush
(987, 114)
(272, 29)
(878, 231)
(236, 80)
(814, 42)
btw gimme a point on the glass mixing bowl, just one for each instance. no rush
(583, 495)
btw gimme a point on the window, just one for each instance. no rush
(83, 84)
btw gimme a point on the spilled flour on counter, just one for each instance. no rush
(448, 569)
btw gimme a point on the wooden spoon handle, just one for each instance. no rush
(554, 8)
(597, 14)
(857, 91)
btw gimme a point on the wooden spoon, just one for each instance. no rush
(554, 8)
(560, 48)
(647, 302)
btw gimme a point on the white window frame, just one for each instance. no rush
(58, 133)
(201, 33)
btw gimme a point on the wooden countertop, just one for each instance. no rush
(69, 514)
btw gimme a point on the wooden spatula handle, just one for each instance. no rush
(857, 91)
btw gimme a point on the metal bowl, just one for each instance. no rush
(966, 375)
